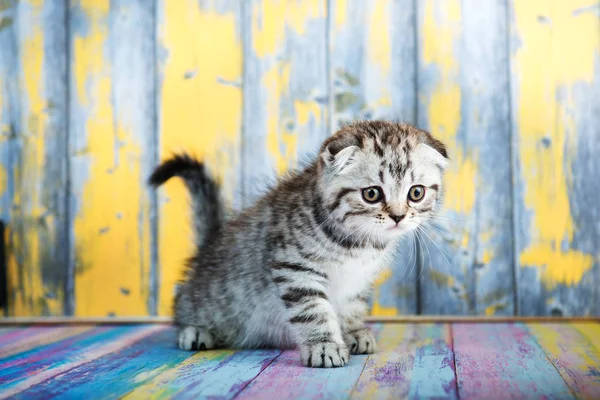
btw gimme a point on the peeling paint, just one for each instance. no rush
(198, 114)
(548, 65)
(270, 19)
(377, 308)
(107, 259)
(281, 143)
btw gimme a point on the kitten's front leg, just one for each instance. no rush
(357, 335)
(314, 321)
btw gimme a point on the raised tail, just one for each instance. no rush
(206, 199)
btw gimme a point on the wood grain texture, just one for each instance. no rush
(37, 337)
(503, 358)
(57, 358)
(111, 123)
(464, 101)
(94, 93)
(555, 122)
(286, 377)
(117, 373)
(413, 361)
(373, 73)
(199, 62)
(33, 110)
(590, 331)
(212, 374)
(8, 96)
(286, 115)
(444, 287)
(573, 355)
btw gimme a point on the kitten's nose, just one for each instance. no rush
(397, 218)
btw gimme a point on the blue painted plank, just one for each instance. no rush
(556, 120)
(413, 361)
(286, 115)
(464, 101)
(32, 154)
(26, 369)
(286, 377)
(373, 70)
(118, 373)
(212, 374)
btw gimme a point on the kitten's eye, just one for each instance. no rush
(372, 194)
(416, 193)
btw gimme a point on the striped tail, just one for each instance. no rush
(205, 192)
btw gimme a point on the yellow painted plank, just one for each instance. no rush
(467, 261)
(111, 228)
(591, 331)
(200, 112)
(575, 358)
(33, 129)
(444, 288)
(378, 83)
(554, 80)
(286, 111)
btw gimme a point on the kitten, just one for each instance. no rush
(296, 267)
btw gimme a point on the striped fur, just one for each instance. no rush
(296, 268)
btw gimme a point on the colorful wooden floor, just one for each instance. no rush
(424, 360)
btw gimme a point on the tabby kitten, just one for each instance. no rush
(295, 269)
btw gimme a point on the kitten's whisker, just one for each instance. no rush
(410, 256)
(452, 219)
(440, 249)
(436, 228)
(422, 258)
(433, 276)
(443, 254)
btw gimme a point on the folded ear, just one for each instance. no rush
(432, 150)
(338, 151)
(436, 155)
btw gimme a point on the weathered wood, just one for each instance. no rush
(111, 124)
(464, 101)
(199, 62)
(555, 121)
(117, 373)
(503, 359)
(577, 360)
(373, 73)
(33, 107)
(413, 361)
(55, 359)
(286, 91)
(590, 331)
(286, 377)
(37, 337)
(209, 375)
(8, 97)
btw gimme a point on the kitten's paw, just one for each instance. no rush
(361, 341)
(195, 338)
(324, 355)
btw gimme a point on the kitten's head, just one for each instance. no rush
(381, 179)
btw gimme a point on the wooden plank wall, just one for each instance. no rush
(93, 93)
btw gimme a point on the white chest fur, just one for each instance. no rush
(354, 276)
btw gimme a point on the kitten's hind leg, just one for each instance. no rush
(195, 338)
